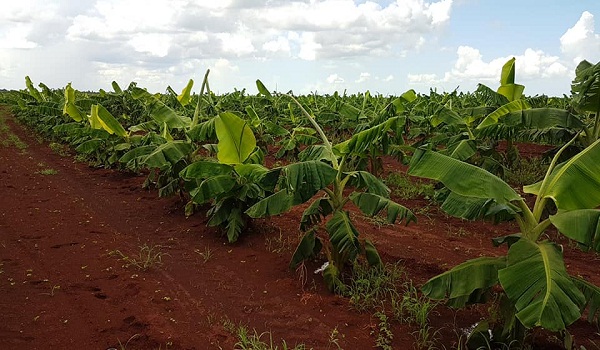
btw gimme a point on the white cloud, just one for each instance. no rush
(471, 67)
(365, 76)
(308, 47)
(581, 41)
(335, 79)
(236, 43)
(280, 45)
(155, 44)
(17, 38)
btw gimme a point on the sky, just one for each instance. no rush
(304, 46)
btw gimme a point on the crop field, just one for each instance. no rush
(191, 220)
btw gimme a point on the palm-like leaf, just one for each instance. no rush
(160, 112)
(581, 225)
(513, 106)
(372, 204)
(236, 139)
(537, 282)
(463, 283)
(343, 235)
(462, 178)
(167, 154)
(585, 88)
(592, 298)
(574, 184)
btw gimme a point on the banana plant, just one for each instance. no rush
(233, 183)
(585, 89)
(539, 290)
(323, 170)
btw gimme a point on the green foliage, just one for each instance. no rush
(533, 274)
(406, 187)
(300, 182)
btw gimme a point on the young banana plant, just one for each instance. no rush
(323, 171)
(539, 290)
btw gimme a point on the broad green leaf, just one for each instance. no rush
(543, 118)
(309, 246)
(134, 156)
(213, 187)
(185, 97)
(472, 208)
(513, 106)
(69, 107)
(537, 282)
(254, 118)
(445, 115)
(116, 87)
(262, 89)
(462, 178)
(90, 146)
(235, 224)
(400, 102)
(305, 179)
(275, 204)
(372, 204)
(236, 140)
(312, 215)
(331, 276)
(165, 155)
(159, 111)
(364, 179)
(463, 150)
(592, 298)
(109, 123)
(316, 152)
(463, 281)
(343, 235)
(359, 143)
(252, 173)
(585, 88)
(581, 225)
(202, 170)
(32, 90)
(372, 255)
(508, 88)
(574, 184)
(204, 131)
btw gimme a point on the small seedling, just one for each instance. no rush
(206, 254)
(148, 257)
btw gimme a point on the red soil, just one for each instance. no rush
(63, 289)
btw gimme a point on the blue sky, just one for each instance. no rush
(305, 46)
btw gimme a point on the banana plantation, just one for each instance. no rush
(361, 189)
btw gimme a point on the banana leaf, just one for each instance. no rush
(581, 225)
(309, 246)
(343, 235)
(592, 298)
(236, 140)
(462, 178)
(574, 184)
(184, 98)
(372, 204)
(537, 282)
(464, 283)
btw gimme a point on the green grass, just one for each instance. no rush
(8, 139)
(369, 287)
(407, 187)
(45, 170)
(252, 340)
(60, 149)
(527, 171)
